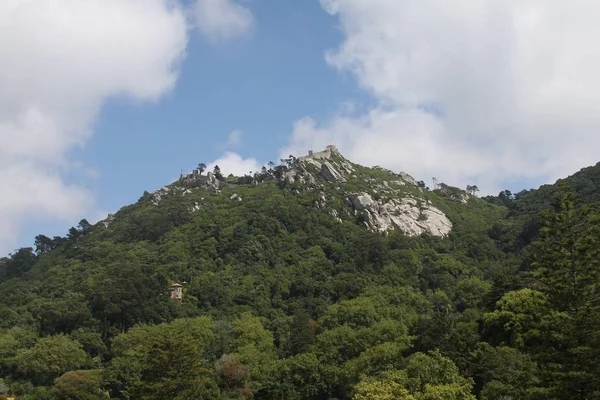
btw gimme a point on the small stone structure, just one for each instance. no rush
(177, 292)
(320, 155)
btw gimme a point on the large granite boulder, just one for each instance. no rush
(411, 216)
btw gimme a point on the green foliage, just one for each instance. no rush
(504, 372)
(283, 301)
(157, 362)
(80, 385)
(422, 377)
(566, 259)
(518, 318)
(17, 264)
(50, 357)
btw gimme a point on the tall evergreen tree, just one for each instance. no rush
(567, 265)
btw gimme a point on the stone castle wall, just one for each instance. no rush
(320, 155)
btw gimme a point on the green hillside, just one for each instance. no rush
(314, 279)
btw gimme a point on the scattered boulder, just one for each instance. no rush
(462, 198)
(321, 201)
(361, 201)
(157, 197)
(335, 215)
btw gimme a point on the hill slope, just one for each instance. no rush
(310, 279)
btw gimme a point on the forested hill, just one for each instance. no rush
(523, 220)
(585, 183)
(313, 279)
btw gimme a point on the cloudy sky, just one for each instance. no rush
(103, 99)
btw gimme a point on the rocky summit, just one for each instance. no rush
(396, 203)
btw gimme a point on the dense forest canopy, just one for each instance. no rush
(289, 296)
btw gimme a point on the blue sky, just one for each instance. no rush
(105, 99)
(258, 84)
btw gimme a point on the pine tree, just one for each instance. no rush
(217, 173)
(302, 336)
(567, 265)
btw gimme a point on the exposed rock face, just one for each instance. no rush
(108, 220)
(187, 182)
(361, 201)
(314, 162)
(158, 195)
(303, 170)
(195, 179)
(334, 214)
(165, 191)
(330, 173)
(290, 177)
(321, 202)
(408, 215)
(408, 179)
(461, 198)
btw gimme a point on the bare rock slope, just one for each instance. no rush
(409, 214)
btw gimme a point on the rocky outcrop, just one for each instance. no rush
(109, 220)
(361, 201)
(306, 169)
(290, 177)
(321, 201)
(330, 173)
(165, 191)
(159, 194)
(335, 215)
(409, 215)
(408, 179)
(197, 180)
(462, 198)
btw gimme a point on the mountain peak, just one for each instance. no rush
(325, 154)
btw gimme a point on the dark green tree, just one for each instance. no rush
(566, 262)
(17, 263)
(302, 334)
(84, 225)
(80, 385)
(43, 244)
(217, 173)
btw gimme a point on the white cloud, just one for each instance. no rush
(61, 60)
(470, 92)
(233, 163)
(222, 19)
(234, 139)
